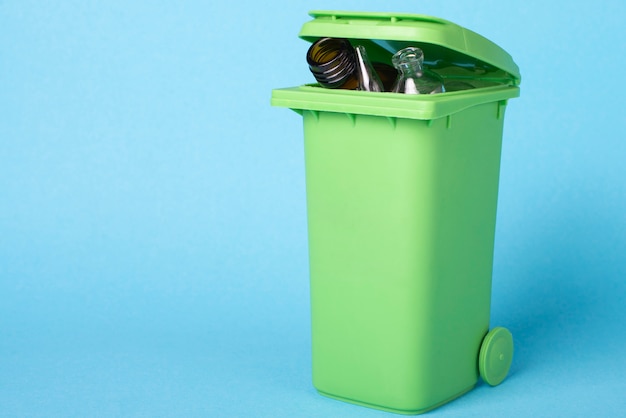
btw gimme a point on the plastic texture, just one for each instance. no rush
(401, 201)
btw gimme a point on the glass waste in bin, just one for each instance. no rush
(401, 200)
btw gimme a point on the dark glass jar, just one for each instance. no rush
(332, 62)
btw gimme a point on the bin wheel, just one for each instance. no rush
(496, 355)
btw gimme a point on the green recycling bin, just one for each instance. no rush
(401, 200)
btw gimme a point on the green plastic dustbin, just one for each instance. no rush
(401, 200)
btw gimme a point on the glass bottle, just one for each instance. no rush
(413, 79)
(333, 63)
(368, 79)
(387, 74)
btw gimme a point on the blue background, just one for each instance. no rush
(153, 257)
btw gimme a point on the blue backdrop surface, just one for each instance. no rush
(153, 257)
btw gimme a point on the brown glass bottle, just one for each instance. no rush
(386, 73)
(332, 62)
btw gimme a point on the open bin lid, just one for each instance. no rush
(382, 34)
(458, 51)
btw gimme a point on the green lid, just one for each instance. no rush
(383, 34)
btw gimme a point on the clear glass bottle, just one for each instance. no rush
(332, 62)
(413, 79)
(368, 79)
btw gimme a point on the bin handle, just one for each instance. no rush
(392, 17)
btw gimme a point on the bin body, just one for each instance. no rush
(401, 231)
(401, 201)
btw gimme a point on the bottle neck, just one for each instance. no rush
(368, 79)
(413, 69)
(332, 62)
(409, 61)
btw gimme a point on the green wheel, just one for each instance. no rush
(496, 354)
